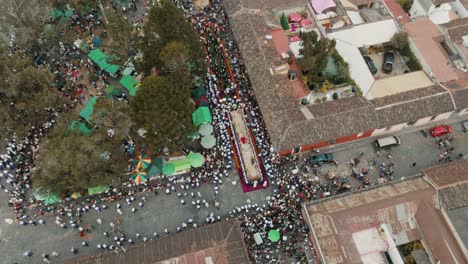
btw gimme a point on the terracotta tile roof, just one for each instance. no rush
(425, 36)
(397, 11)
(286, 124)
(459, 90)
(454, 197)
(449, 174)
(456, 33)
(451, 180)
(412, 105)
(222, 242)
(336, 220)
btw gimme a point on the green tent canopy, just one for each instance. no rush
(196, 159)
(97, 189)
(201, 115)
(205, 129)
(197, 93)
(156, 166)
(51, 199)
(56, 13)
(96, 55)
(129, 83)
(208, 141)
(274, 235)
(103, 64)
(168, 169)
(181, 164)
(89, 108)
(47, 198)
(112, 68)
(77, 125)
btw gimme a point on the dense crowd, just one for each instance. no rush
(228, 89)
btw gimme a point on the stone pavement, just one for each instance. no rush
(159, 212)
(414, 148)
(165, 211)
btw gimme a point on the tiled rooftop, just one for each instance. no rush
(451, 180)
(335, 221)
(425, 36)
(222, 242)
(290, 127)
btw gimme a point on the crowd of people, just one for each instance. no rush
(228, 89)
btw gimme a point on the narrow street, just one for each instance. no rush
(165, 211)
(414, 148)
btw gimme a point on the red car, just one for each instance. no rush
(439, 131)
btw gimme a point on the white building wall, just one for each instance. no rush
(443, 116)
(440, 15)
(423, 121)
(417, 10)
(459, 9)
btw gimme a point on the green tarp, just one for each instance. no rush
(196, 159)
(197, 93)
(97, 189)
(77, 125)
(47, 198)
(156, 166)
(181, 165)
(112, 68)
(96, 55)
(89, 109)
(129, 83)
(168, 169)
(201, 115)
(56, 13)
(103, 64)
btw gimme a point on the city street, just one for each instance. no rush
(165, 211)
(414, 148)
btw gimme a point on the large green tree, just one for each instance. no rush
(25, 91)
(166, 24)
(315, 53)
(122, 36)
(70, 162)
(23, 20)
(164, 112)
(112, 114)
(175, 56)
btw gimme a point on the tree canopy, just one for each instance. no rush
(164, 112)
(25, 90)
(121, 32)
(315, 53)
(70, 162)
(166, 24)
(22, 20)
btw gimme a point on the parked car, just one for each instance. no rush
(387, 66)
(370, 63)
(387, 142)
(321, 158)
(441, 130)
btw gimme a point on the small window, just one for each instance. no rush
(388, 128)
(331, 141)
(437, 6)
(410, 123)
(434, 117)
